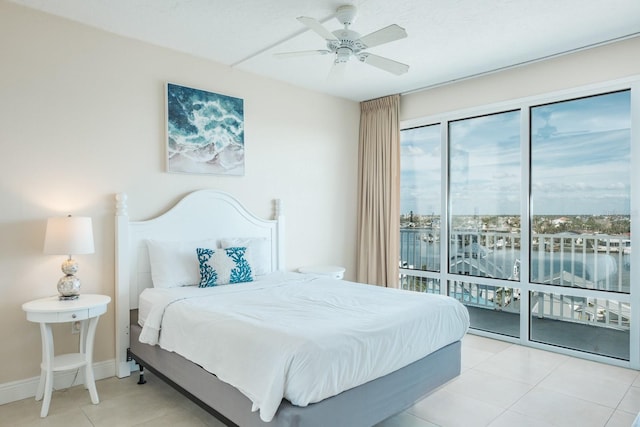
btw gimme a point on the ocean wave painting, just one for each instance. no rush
(205, 132)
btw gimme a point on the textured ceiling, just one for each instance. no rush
(448, 39)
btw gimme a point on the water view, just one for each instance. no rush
(571, 165)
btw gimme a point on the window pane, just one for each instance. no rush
(420, 284)
(491, 308)
(594, 325)
(420, 198)
(580, 193)
(485, 195)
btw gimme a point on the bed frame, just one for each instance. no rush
(208, 214)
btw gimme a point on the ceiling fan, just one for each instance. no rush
(345, 44)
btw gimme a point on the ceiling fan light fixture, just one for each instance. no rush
(342, 55)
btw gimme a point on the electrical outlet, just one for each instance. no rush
(75, 327)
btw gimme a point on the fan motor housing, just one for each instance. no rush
(347, 39)
(346, 14)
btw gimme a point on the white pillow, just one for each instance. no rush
(175, 264)
(259, 248)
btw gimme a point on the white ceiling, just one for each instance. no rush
(448, 39)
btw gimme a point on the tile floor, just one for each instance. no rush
(501, 385)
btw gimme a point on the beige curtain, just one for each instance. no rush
(379, 192)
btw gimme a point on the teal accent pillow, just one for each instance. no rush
(223, 266)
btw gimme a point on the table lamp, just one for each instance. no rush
(70, 235)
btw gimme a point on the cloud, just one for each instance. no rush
(581, 166)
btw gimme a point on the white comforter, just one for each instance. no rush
(299, 337)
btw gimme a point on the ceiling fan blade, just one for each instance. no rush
(385, 35)
(314, 25)
(385, 64)
(282, 55)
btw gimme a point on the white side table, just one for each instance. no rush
(333, 271)
(87, 310)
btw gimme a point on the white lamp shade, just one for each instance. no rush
(69, 235)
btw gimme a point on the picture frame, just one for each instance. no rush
(204, 132)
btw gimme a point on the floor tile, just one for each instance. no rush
(404, 419)
(562, 410)
(482, 343)
(473, 356)
(621, 375)
(513, 419)
(445, 408)
(487, 387)
(22, 412)
(174, 418)
(621, 419)
(631, 401)
(125, 411)
(522, 364)
(64, 405)
(587, 384)
(205, 417)
(74, 417)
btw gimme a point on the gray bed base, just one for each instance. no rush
(363, 406)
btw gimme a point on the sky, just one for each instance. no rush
(580, 161)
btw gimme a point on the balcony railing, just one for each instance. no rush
(600, 262)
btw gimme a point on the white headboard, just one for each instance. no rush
(203, 214)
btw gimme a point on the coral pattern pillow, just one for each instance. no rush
(259, 248)
(223, 266)
(174, 264)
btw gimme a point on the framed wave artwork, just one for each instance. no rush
(205, 132)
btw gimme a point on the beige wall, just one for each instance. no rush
(82, 117)
(602, 64)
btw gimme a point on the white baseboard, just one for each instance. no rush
(22, 389)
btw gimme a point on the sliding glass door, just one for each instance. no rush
(484, 237)
(581, 223)
(524, 214)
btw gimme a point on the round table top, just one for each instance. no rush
(54, 304)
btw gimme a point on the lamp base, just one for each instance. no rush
(70, 297)
(69, 287)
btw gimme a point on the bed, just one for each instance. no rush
(341, 395)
